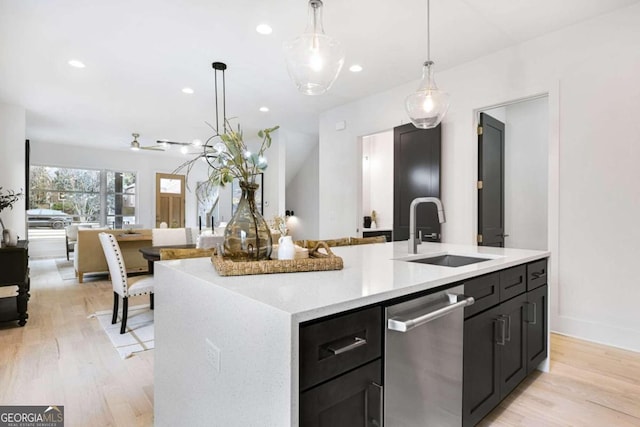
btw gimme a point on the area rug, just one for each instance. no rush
(65, 269)
(139, 335)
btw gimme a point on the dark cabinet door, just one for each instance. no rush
(350, 400)
(513, 344)
(416, 170)
(481, 370)
(536, 320)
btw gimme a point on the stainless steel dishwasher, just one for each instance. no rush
(423, 360)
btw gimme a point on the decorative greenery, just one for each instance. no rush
(8, 198)
(280, 224)
(230, 158)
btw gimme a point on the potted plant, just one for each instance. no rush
(7, 199)
(247, 235)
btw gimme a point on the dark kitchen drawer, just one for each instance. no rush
(485, 290)
(536, 274)
(513, 282)
(353, 399)
(337, 345)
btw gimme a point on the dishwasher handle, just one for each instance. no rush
(406, 325)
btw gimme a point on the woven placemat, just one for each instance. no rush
(317, 261)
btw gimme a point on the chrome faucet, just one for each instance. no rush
(413, 243)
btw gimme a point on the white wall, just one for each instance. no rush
(302, 198)
(593, 136)
(377, 177)
(146, 164)
(526, 172)
(12, 164)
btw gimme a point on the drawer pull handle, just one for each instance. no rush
(358, 342)
(537, 274)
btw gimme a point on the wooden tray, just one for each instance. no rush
(317, 261)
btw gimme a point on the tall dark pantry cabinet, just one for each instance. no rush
(416, 173)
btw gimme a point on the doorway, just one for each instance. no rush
(526, 175)
(170, 200)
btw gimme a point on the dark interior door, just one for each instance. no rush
(490, 182)
(416, 169)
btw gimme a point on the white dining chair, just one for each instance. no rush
(123, 286)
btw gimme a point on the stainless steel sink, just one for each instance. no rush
(449, 260)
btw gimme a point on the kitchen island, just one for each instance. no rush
(227, 348)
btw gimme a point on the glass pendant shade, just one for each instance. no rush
(428, 105)
(314, 59)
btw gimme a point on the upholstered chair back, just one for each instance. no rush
(115, 261)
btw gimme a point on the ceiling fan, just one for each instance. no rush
(135, 145)
(184, 146)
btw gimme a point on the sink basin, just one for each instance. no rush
(449, 260)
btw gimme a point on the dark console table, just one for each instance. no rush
(14, 271)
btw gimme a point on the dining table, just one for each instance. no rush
(152, 253)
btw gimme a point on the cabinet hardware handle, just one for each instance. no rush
(374, 405)
(531, 313)
(537, 274)
(396, 324)
(508, 318)
(502, 324)
(358, 342)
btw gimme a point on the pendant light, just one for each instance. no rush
(427, 106)
(314, 59)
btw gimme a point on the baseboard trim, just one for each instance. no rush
(625, 339)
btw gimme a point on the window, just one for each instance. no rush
(121, 198)
(99, 196)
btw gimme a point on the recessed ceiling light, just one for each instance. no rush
(264, 109)
(355, 68)
(264, 29)
(76, 63)
(196, 142)
(187, 90)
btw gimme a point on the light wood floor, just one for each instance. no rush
(63, 358)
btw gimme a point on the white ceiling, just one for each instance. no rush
(140, 54)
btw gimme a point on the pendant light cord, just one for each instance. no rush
(220, 66)
(224, 104)
(428, 34)
(215, 83)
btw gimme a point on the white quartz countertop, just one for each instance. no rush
(372, 273)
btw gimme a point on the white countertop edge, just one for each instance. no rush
(329, 310)
(303, 307)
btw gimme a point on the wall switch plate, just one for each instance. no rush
(212, 354)
(341, 125)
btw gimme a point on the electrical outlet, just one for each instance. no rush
(212, 354)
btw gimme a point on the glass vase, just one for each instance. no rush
(247, 236)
